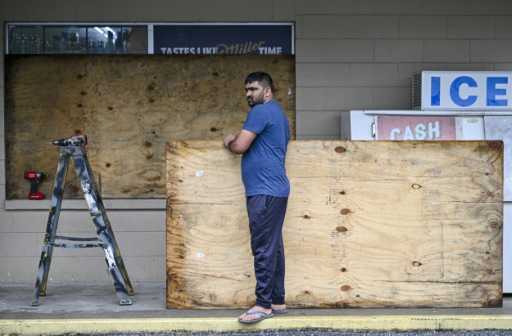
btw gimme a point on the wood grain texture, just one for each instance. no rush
(129, 106)
(369, 224)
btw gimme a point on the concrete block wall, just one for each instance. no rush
(350, 54)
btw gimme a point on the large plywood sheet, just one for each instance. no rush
(129, 106)
(369, 224)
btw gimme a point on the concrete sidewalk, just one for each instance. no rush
(94, 308)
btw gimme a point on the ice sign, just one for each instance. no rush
(466, 90)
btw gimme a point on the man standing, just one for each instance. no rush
(263, 141)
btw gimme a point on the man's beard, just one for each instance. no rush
(255, 101)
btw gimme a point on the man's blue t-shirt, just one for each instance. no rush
(263, 164)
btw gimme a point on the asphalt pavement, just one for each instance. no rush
(93, 309)
(310, 332)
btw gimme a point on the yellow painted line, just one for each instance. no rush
(353, 323)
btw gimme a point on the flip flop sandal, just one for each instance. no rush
(262, 316)
(280, 311)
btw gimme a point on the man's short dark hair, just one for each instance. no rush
(261, 77)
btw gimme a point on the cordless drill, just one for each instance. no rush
(77, 140)
(35, 178)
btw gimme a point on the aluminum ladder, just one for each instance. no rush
(75, 148)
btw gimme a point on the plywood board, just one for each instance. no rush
(369, 224)
(129, 106)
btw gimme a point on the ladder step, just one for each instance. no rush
(77, 238)
(76, 245)
(100, 244)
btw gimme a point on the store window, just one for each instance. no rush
(77, 39)
(275, 38)
(224, 38)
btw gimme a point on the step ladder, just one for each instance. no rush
(75, 148)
